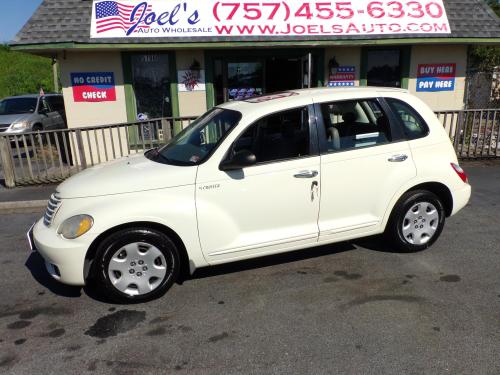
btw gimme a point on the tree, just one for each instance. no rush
(495, 5)
(21, 73)
(485, 58)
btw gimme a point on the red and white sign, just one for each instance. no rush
(93, 87)
(437, 70)
(271, 18)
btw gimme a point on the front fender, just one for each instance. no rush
(173, 207)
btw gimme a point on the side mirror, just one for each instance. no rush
(240, 160)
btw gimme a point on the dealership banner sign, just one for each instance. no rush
(93, 87)
(436, 77)
(268, 18)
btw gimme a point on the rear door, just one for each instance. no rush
(56, 111)
(44, 111)
(365, 160)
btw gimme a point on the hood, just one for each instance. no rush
(127, 175)
(9, 119)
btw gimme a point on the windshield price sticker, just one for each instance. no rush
(230, 18)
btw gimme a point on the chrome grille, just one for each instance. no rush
(53, 205)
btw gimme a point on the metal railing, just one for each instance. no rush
(52, 156)
(474, 132)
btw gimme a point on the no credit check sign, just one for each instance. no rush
(233, 18)
(93, 87)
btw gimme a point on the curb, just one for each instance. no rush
(22, 205)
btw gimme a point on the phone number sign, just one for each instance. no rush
(436, 77)
(93, 87)
(233, 18)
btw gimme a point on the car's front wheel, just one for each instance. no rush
(136, 265)
(416, 221)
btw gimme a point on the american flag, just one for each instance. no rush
(116, 15)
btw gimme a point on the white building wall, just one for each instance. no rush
(440, 54)
(91, 114)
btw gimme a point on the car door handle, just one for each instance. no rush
(398, 158)
(306, 174)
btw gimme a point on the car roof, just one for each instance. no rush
(32, 96)
(293, 98)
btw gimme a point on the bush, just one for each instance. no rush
(21, 73)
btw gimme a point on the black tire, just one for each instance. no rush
(37, 127)
(394, 230)
(116, 241)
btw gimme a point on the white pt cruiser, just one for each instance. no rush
(249, 178)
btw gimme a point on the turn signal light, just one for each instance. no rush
(460, 172)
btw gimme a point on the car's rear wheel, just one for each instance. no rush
(416, 221)
(136, 265)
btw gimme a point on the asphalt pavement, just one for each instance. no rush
(349, 308)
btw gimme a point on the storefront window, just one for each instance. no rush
(239, 75)
(244, 80)
(384, 68)
(151, 82)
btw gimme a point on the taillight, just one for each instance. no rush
(460, 172)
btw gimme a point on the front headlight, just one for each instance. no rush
(75, 226)
(20, 125)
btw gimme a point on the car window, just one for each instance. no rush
(44, 105)
(56, 103)
(195, 143)
(14, 106)
(280, 136)
(353, 124)
(414, 125)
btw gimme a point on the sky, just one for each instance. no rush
(13, 16)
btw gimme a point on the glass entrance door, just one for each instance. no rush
(151, 82)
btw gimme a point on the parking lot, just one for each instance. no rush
(350, 308)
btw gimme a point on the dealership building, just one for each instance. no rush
(120, 61)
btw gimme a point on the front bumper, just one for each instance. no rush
(64, 259)
(460, 198)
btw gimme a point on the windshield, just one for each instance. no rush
(195, 143)
(16, 106)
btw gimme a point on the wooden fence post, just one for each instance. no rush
(81, 151)
(167, 130)
(6, 160)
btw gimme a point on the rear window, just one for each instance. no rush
(413, 124)
(354, 124)
(56, 103)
